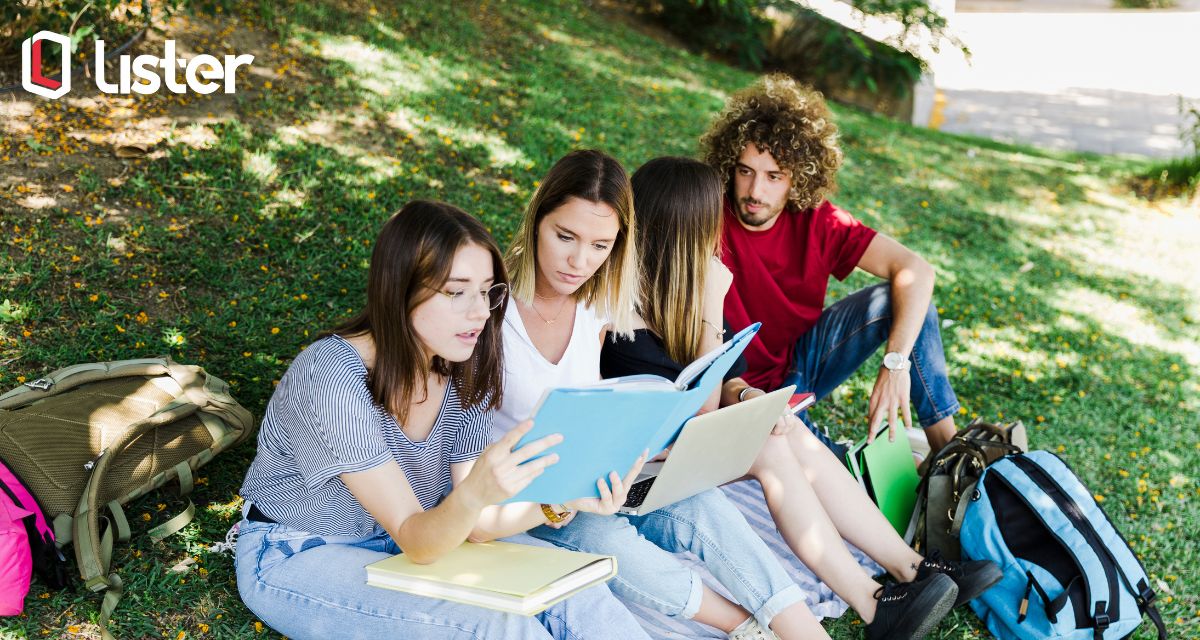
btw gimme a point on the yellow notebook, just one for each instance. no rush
(509, 577)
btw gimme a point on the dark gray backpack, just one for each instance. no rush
(949, 479)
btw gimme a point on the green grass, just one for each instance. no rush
(1068, 303)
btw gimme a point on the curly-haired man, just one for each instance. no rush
(777, 146)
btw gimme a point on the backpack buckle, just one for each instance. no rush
(1102, 621)
(41, 384)
(1147, 597)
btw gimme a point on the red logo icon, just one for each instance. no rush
(32, 78)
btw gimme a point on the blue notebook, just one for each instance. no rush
(607, 425)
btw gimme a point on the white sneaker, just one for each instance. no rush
(752, 630)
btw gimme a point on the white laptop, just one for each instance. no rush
(712, 449)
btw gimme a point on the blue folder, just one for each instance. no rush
(605, 427)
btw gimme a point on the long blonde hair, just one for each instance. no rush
(596, 177)
(678, 210)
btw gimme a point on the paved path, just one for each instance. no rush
(1070, 74)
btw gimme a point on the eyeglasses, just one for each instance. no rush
(460, 301)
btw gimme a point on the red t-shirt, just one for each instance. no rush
(780, 277)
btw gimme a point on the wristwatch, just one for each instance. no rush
(553, 516)
(894, 361)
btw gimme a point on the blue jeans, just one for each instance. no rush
(310, 586)
(848, 333)
(709, 526)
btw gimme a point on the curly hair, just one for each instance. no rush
(790, 121)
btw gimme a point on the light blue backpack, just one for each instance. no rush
(1068, 573)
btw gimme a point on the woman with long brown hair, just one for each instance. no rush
(376, 440)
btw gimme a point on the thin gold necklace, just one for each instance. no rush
(562, 305)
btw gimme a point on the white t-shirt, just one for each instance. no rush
(527, 374)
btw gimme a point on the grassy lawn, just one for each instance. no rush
(247, 228)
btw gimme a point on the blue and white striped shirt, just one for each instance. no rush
(322, 422)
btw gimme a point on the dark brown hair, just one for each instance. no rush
(677, 203)
(412, 258)
(788, 120)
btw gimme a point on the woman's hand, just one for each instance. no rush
(501, 473)
(786, 423)
(610, 500)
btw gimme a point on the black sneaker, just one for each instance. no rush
(972, 578)
(910, 610)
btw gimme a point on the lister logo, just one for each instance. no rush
(200, 74)
(31, 65)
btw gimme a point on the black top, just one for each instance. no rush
(645, 353)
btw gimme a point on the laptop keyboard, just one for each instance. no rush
(637, 493)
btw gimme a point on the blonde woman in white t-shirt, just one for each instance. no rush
(574, 274)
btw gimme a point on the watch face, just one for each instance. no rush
(893, 360)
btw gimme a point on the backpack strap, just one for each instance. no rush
(1051, 606)
(1127, 562)
(92, 566)
(1145, 600)
(93, 550)
(1057, 522)
(73, 376)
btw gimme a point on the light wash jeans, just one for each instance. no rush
(709, 526)
(310, 586)
(848, 333)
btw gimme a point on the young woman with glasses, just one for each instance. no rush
(375, 442)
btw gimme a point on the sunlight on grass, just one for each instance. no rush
(603, 61)
(500, 152)
(386, 72)
(259, 165)
(333, 131)
(1124, 320)
(943, 184)
(986, 347)
(660, 83)
(196, 136)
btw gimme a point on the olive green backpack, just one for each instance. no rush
(948, 481)
(89, 438)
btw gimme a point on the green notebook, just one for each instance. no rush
(887, 472)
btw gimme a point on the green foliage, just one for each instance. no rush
(1144, 4)
(1177, 176)
(800, 41)
(12, 311)
(1190, 134)
(831, 57)
(79, 18)
(915, 17)
(734, 29)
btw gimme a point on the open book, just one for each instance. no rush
(606, 426)
(515, 578)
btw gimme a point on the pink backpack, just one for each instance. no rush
(26, 545)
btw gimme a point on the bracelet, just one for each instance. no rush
(742, 393)
(552, 516)
(720, 330)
